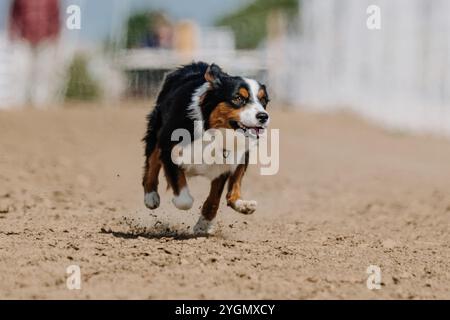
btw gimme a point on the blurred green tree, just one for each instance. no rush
(142, 29)
(249, 24)
(80, 84)
(138, 26)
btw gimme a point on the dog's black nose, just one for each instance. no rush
(262, 117)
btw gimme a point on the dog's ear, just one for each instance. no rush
(214, 75)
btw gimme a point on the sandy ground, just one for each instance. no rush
(348, 195)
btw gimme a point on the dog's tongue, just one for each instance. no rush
(256, 131)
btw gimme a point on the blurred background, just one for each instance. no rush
(315, 55)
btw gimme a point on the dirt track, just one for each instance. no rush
(347, 196)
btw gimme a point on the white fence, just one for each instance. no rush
(6, 94)
(398, 76)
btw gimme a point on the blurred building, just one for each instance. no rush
(146, 67)
(398, 76)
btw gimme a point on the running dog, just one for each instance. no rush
(198, 97)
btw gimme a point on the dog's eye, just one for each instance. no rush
(264, 101)
(238, 100)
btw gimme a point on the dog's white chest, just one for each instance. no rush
(210, 171)
(211, 157)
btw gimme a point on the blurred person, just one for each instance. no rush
(160, 33)
(164, 31)
(34, 29)
(185, 39)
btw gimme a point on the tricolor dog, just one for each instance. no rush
(198, 97)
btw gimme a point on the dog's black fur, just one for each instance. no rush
(171, 113)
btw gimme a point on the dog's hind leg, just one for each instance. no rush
(151, 179)
(152, 161)
(182, 198)
(176, 179)
(209, 210)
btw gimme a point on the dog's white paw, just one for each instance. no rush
(245, 206)
(151, 200)
(204, 227)
(184, 200)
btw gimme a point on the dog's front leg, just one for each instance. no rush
(209, 210)
(234, 192)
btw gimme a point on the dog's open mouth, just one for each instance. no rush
(254, 131)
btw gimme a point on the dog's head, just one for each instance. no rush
(241, 102)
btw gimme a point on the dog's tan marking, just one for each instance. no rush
(209, 209)
(234, 185)
(261, 94)
(244, 93)
(222, 114)
(234, 199)
(151, 174)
